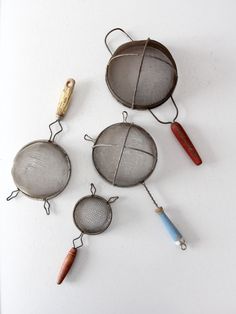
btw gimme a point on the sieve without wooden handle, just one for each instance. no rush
(42, 169)
(143, 75)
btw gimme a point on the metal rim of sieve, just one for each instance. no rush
(155, 157)
(144, 43)
(68, 173)
(109, 209)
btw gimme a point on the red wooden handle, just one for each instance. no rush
(66, 266)
(186, 143)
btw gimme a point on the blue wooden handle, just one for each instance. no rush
(170, 227)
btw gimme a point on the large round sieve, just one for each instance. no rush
(92, 215)
(125, 155)
(142, 74)
(42, 169)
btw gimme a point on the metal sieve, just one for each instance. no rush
(143, 75)
(92, 215)
(125, 155)
(42, 169)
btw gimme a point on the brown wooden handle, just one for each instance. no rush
(66, 266)
(186, 143)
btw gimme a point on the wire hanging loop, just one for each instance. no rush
(176, 114)
(125, 116)
(47, 206)
(13, 195)
(57, 124)
(81, 241)
(113, 30)
(150, 194)
(183, 245)
(93, 189)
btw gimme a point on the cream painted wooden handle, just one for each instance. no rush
(65, 98)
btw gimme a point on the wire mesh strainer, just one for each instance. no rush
(125, 155)
(92, 215)
(42, 169)
(143, 75)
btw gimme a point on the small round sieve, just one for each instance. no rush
(92, 215)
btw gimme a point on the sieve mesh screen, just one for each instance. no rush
(92, 214)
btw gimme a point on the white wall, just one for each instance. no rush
(134, 267)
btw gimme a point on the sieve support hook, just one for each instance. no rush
(113, 30)
(93, 189)
(47, 206)
(53, 135)
(89, 138)
(112, 199)
(13, 195)
(80, 237)
(125, 116)
(167, 122)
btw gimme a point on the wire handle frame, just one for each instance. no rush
(111, 31)
(57, 124)
(175, 117)
(80, 237)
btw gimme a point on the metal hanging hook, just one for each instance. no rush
(93, 189)
(125, 116)
(89, 138)
(47, 206)
(176, 114)
(112, 199)
(113, 30)
(183, 245)
(13, 195)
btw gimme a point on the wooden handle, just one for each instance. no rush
(66, 266)
(65, 98)
(171, 228)
(186, 143)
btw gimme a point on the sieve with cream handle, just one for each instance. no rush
(42, 168)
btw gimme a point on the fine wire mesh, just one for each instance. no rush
(141, 74)
(124, 154)
(41, 169)
(92, 214)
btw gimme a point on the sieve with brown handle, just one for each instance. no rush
(42, 168)
(125, 155)
(143, 75)
(92, 215)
